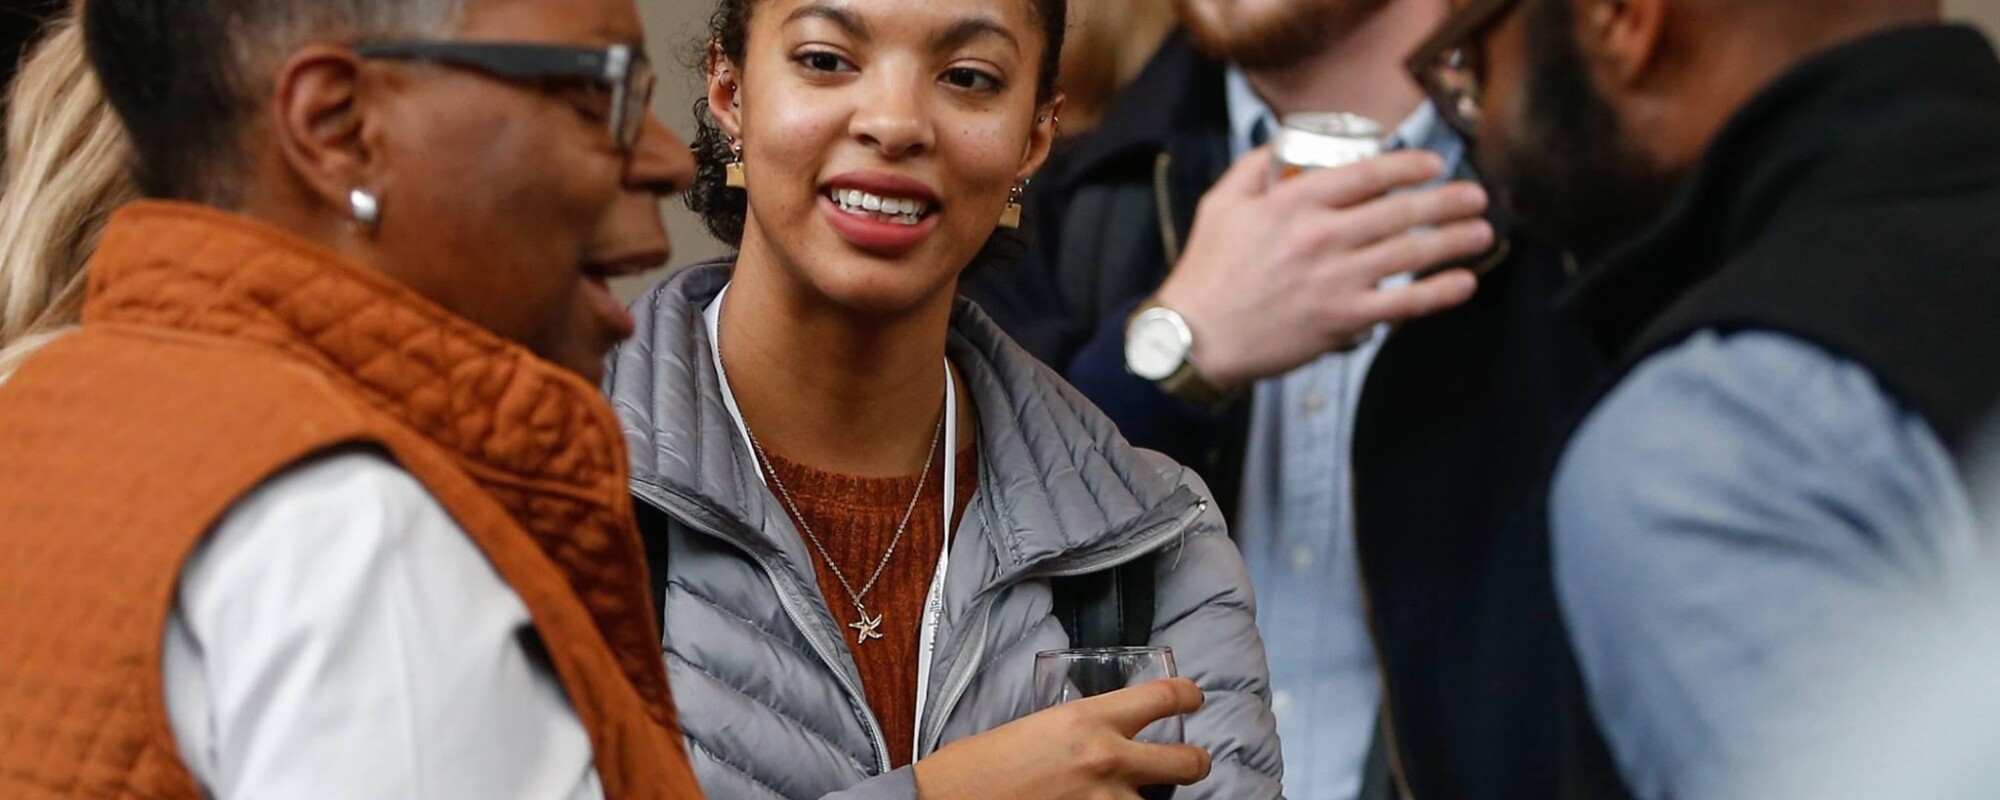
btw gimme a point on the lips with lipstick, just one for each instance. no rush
(881, 213)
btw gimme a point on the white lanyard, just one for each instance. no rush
(934, 600)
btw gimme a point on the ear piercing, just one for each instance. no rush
(365, 209)
(1010, 217)
(732, 172)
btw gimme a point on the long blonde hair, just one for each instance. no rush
(68, 167)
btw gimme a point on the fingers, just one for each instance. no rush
(1130, 710)
(1382, 218)
(1421, 299)
(1418, 249)
(1344, 186)
(1247, 177)
(1155, 764)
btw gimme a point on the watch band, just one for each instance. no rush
(1188, 384)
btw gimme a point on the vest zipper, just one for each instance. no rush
(1170, 238)
(960, 677)
(795, 608)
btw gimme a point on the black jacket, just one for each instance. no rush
(1458, 419)
(1850, 204)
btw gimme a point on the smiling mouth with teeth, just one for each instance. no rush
(898, 210)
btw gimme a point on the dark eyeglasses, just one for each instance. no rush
(619, 72)
(1450, 65)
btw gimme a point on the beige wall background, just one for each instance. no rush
(676, 27)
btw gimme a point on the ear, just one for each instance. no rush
(725, 92)
(1621, 37)
(1048, 120)
(321, 131)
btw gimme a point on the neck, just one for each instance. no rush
(1361, 71)
(824, 386)
(1739, 67)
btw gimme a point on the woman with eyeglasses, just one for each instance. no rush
(320, 498)
(858, 496)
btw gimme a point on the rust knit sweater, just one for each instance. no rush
(217, 351)
(855, 518)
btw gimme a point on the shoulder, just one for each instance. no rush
(1752, 433)
(1743, 393)
(331, 519)
(350, 488)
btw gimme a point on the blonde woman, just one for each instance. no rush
(66, 170)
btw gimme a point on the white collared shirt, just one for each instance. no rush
(339, 635)
(1296, 524)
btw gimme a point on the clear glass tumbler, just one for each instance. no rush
(1065, 675)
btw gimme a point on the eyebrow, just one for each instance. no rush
(965, 31)
(847, 20)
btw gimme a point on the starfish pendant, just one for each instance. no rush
(867, 627)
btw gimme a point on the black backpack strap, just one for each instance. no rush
(1112, 608)
(653, 525)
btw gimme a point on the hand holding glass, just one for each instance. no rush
(1062, 676)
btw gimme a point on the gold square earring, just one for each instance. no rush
(732, 172)
(1010, 217)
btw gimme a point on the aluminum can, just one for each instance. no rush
(1322, 140)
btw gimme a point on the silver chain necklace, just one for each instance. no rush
(868, 627)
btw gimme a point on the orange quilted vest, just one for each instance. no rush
(215, 352)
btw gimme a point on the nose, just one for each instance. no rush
(661, 163)
(891, 117)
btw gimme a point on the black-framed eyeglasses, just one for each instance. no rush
(1450, 66)
(623, 76)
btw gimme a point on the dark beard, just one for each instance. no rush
(1281, 42)
(1571, 175)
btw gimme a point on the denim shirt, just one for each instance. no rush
(1742, 527)
(1296, 524)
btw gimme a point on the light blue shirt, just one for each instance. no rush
(1296, 527)
(1740, 530)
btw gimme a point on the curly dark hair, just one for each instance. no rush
(722, 209)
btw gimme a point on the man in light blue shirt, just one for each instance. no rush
(1296, 522)
(1766, 512)
(1272, 337)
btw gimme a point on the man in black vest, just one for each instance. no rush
(1786, 212)
(1425, 481)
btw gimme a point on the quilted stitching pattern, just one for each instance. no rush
(540, 440)
(217, 350)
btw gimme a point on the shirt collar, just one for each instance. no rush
(1246, 111)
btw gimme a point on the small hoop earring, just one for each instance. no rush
(365, 208)
(1010, 217)
(732, 172)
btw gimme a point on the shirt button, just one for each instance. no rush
(1314, 402)
(1303, 558)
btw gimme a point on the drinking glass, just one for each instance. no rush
(1065, 675)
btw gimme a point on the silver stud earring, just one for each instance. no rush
(365, 208)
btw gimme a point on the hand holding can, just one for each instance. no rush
(1280, 270)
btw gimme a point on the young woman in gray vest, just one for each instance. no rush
(857, 494)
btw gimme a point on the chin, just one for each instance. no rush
(868, 285)
(874, 288)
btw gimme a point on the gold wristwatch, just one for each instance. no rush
(1157, 343)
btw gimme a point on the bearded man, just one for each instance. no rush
(1257, 311)
(1783, 209)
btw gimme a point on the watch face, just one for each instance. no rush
(1156, 345)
